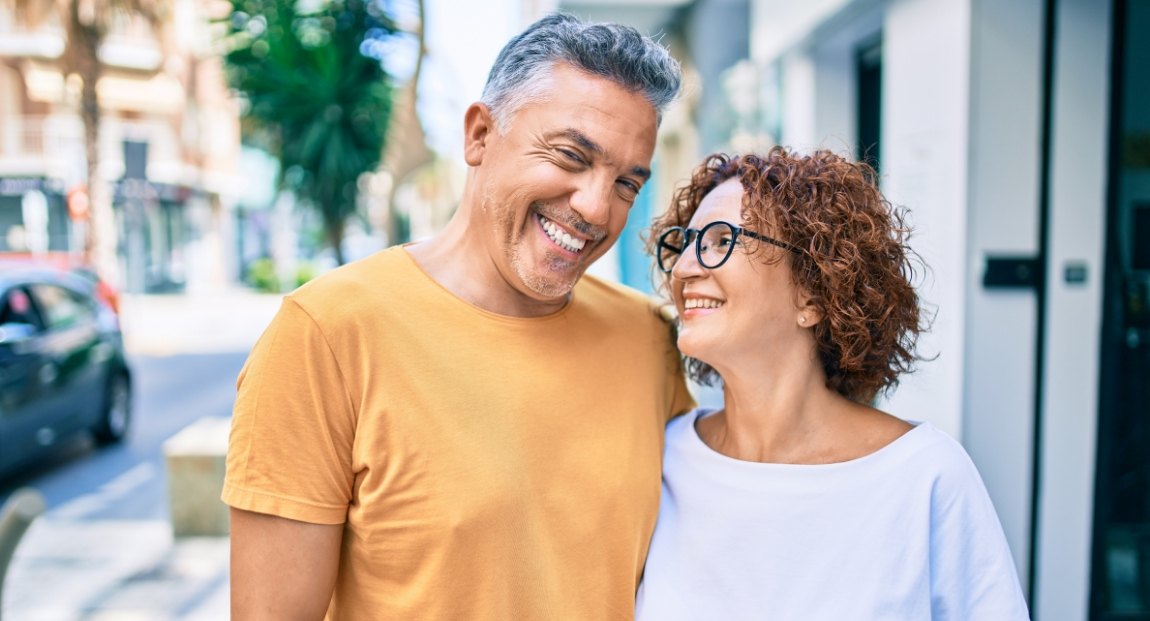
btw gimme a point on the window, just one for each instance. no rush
(62, 308)
(16, 307)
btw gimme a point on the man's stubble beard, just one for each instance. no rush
(511, 236)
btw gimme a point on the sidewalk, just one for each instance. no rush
(226, 320)
(116, 571)
(69, 569)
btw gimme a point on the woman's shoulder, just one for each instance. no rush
(935, 454)
(864, 430)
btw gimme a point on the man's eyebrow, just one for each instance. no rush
(584, 141)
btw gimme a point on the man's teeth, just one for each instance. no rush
(559, 236)
(701, 303)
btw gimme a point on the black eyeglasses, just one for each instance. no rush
(713, 244)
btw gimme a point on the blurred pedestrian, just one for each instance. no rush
(463, 427)
(798, 500)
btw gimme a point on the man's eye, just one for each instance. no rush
(628, 189)
(572, 156)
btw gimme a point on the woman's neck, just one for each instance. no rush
(778, 409)
(775, 415)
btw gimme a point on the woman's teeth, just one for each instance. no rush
(701, 303)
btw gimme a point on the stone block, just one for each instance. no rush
(195, 459)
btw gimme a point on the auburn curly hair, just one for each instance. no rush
(855, 262)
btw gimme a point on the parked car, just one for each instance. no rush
(62, 365)
(68, 262)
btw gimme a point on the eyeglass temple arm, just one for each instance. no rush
(771, 240)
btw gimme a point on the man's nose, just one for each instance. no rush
(592, 200)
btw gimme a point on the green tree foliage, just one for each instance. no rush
(316, 94)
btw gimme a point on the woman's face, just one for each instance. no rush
(744, 308)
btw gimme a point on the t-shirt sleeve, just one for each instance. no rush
(972, 570)
(293, 426)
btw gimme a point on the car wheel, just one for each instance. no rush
(117, 414)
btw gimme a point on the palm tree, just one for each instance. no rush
(407, 149)
(86, 23)
(316, 95)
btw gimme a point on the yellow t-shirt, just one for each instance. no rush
(486, 467)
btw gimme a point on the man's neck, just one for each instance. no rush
(465, 268)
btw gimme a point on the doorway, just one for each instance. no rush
(1120, 576)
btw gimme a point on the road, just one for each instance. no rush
(104, 547)
(126, 481)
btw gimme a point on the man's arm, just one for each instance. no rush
(281, 569)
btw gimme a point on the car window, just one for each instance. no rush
(61, 307)
(16, 307)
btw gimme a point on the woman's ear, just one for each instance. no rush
(478, 127)
(808, 314)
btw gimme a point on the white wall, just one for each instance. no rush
(1003, 219)
(1074, 318)
(820, 91)
(799, 96)
(926, 46)
(780, 25)
(10, 112)
(836, 99)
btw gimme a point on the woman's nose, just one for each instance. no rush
(687, 265)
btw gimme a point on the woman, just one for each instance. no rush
(798, 501)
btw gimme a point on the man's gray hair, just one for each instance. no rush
(613, 51)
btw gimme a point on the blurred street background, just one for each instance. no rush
(194, 160)
(104, 549)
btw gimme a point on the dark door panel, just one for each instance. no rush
(1121, 560)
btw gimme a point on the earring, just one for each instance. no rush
(802, 320)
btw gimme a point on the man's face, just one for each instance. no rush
(557, 184)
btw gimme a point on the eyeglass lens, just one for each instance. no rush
(712, 245)
(671, 246)
(715, 243)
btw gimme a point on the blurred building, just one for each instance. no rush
(1018, 134)
(169, 144)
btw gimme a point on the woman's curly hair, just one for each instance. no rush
(854, 263)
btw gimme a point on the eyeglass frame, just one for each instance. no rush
(694, 237)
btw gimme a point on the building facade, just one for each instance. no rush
(1018, 135)
(168, 147)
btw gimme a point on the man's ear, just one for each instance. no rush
(478, 127)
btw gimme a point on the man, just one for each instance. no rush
(461, 428)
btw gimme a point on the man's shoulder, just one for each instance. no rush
(361, 276)
(620, 302)
(599, 291)
(348, 289)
